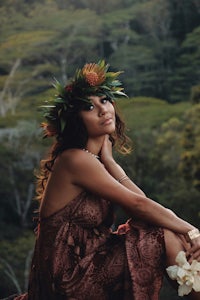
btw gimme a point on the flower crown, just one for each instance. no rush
(92, 79)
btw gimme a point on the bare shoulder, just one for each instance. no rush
(76, 159)
(87, 172)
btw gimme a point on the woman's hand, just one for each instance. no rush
(108, 161)
(106, 151)
(194, 251)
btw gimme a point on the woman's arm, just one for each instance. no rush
(115, 169)
(88, 173)
(118, 173)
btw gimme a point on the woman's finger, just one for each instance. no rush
(194, 256)
(106, 150)
(193, 252)
(192, 249)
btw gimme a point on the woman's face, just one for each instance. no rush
(100, 119)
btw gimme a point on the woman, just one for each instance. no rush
(77, 256)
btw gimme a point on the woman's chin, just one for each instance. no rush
(110, 130)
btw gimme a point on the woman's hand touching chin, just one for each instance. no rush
(106, 151)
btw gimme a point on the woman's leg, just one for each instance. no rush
(174, 244)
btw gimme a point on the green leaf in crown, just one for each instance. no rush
(92, 79)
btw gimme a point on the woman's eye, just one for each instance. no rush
(88, 107)
(104, 100)
(91, 107)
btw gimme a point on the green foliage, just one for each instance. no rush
(188, 72)
(157, 129)
(21, 154)
(184, 17)
(195, 94)
(14, 255)
(190, 158)
(16, 45)
(140, 36)
(146, 113)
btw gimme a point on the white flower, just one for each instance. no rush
(187, 276)
(182, 260)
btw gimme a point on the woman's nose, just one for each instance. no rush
(102, 110)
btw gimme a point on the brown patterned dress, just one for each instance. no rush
(78, 257)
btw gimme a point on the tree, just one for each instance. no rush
(184, 17)
(190, 158)
(148, 56)
(5, 93)
(15, 259)
(138, 63)
(16, 82)
(19, 167)
(195, 94)
(54, 51)
(187, 72)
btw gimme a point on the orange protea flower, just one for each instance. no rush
(94, 74)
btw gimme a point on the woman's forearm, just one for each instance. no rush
(147, 207)
(118, 173)
(155, 213)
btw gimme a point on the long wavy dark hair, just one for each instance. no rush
(75, 136)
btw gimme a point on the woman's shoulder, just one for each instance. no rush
(72, 154)
(74, 158)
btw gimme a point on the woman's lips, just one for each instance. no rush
(108, 121)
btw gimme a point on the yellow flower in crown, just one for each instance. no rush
(94, 74)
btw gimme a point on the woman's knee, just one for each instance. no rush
(174, 243)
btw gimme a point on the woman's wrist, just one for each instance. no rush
(110, 163)
(115, 170)
(123, 178)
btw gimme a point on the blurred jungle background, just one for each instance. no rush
(157, 44)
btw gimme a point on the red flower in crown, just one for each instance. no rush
(68, 88)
